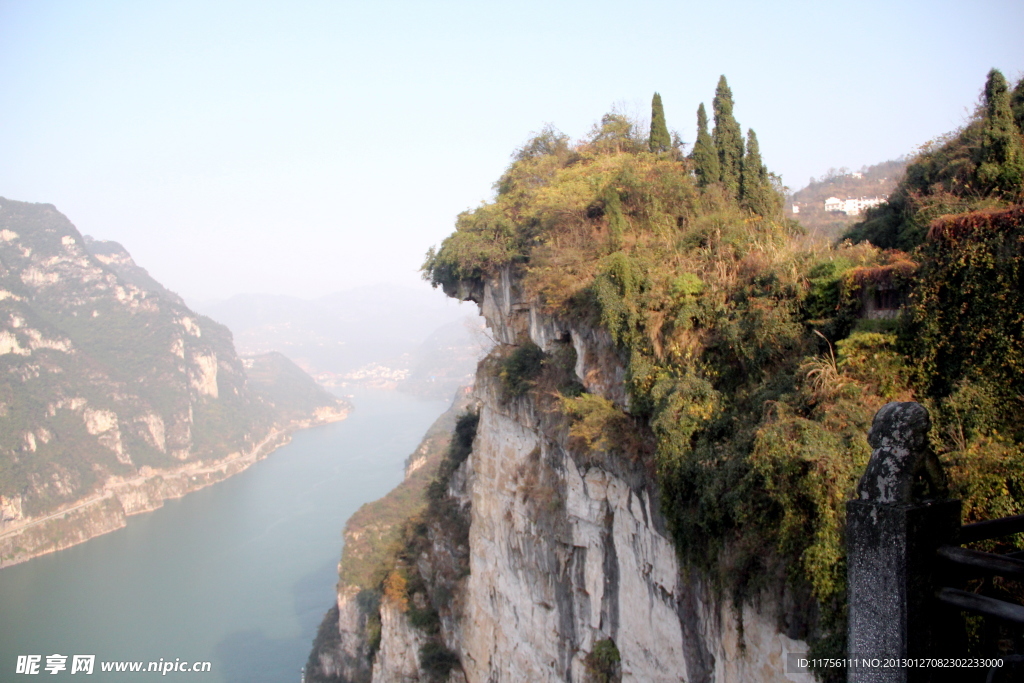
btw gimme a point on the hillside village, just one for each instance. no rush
(832, 203)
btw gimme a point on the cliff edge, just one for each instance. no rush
(568, 571)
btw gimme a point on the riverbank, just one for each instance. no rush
(238, 574)
(108, 508)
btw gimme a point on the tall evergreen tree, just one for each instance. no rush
(757, 193)
(1001, 155)
(660, 141)
(704, 155)
(728, 139)
(1017, 104)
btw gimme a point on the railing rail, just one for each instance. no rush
(972, 602)
(992, 528)
(978, 562)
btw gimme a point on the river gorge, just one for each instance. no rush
(237, 574)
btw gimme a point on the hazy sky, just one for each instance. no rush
(306, 147)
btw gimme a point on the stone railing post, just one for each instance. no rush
(892, 533)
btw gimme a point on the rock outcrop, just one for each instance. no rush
(570, 567)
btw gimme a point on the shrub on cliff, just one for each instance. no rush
(603, 662)
(459, 448)
(437, 660)
(967, 315)
(520, 368)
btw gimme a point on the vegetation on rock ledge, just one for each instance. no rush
(756, 356)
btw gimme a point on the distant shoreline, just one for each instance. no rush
(108, 509)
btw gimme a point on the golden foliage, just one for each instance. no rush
(396, 590)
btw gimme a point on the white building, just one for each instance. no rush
(834, 204)
(853, 207)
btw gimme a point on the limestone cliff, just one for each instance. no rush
(571, 574)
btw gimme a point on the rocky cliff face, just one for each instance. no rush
(572, 576)
(113, 394)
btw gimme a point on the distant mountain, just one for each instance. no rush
(107, 377)
(385, 336)
(289, 391)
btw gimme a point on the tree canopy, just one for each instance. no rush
(728, 140)
(1001, 153)
(756, 191)
(704, 154)
(660, 140)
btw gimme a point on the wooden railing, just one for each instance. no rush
(978, 564)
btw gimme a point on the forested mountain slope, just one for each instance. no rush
(105, 377)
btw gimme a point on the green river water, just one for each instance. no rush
(238, 574)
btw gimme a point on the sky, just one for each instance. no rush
(303, 147)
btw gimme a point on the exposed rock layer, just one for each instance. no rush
(568, 548)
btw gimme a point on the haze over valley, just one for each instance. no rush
(386, 336)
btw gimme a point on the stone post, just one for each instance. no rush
(892, 532)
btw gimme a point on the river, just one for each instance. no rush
(238, 574)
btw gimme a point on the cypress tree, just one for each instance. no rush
(660, 141)
(728, 139)
(1017, 104)
(704, 155)
(757, 192)
(755, 175)
(1001, 155)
